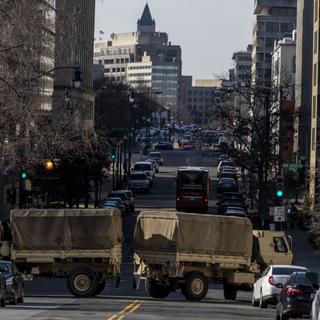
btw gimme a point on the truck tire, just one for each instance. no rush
(156, 291)
(255, 248)
(82, 282)
(100, 288)
(230, 292)
(195, 286)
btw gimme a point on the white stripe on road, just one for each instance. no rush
(31, 307)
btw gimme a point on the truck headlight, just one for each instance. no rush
(9, 282)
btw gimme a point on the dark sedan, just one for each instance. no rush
(225, 203)
(163, 146)
(227, 184)
(14, 282)
(2, 288)
(297, 294)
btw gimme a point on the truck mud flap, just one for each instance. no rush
(136, 281)
(118, 282)
(173, 284)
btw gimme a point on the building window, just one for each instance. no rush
(194, 107)
(200, 107)
(139, 50)
(117, 61)
(123, 69)
(260, 43)
(108, 61)
(294, 64)
(189, 99)
(118, 69)
(112, 51)
(131, 50)
(121, 50)
(314, 104)
(195, 93)
(107, 70)
(287, 26)
(100, 61)
(260, 26)
(189, 107)
(206, 93)
(272, 26)
(127, 60)
(122, 60)
(200, 100)
(189, 93)
(200, 93)
(195, 99)
(315, 43)
(315, 74)
(270, 41)
(113, 69)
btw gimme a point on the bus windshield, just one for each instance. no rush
(193, 180)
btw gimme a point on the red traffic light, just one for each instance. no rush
(108, 168)
(280, 180)
(222, 122)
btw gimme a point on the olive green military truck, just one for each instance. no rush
(188, 251)
(83, 246)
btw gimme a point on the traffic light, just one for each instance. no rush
(113, 153)
(234, 122)
(148, 119)
(11, 196)
(222, 122)
(24, 175)
(49, 165)
(238, 121)
(293, 158)
(223, 116)
(108, 167)
(279, 186)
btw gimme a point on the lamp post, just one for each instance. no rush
(125, 158)
(131, 99)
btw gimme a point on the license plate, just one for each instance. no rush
(312, 295)
(192, 199)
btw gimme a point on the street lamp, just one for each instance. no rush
(125, 158)
(131, 100)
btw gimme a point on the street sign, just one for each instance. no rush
(143, 118)
(279, 214)
(159, 139)
(292, 165)
(303, 157)
(292, 169)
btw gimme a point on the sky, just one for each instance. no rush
(208, 31)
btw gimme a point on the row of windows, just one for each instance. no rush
(283, 11)
(140, 81)
(195, 107)
(196, 100)
(274, 26)
(115, 78)
(160, 74)
(201, 93)
(140, 68)
(139, 75)
(116, 51)
(117, 61)
(107, 70)
(244, 67)
(241, 58)
(165, 67)
(265, 41)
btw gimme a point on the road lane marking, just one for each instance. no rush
(112, 317)
(128, 307)
(136, 306)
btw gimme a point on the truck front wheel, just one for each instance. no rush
(195, 287)
(156, 291)
(230, 292)
(82, 283)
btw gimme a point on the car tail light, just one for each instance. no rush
(206, 200)
(291, 290)
(220, 184)
(232, 185)
(178, 199)
(271, 281)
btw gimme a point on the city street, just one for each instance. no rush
(50, 299)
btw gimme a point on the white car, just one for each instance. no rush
(315, 311)
(264, 290)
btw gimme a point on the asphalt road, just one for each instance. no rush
(49, 299)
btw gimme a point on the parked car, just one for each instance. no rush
(235, 212)
(138, 181)
(118, 200)
(130, 197)
(155, 164)
(224, 157)
(224, 164)
(144, 166)
(156, 156)
(227, 184)
(297, 294)
(230, 195)
(164, 131)
(227, 170)
(224, 204)
(228, 174)
(315, 309)
(187, 147)
(264, 290)
(149, 177)
(106, 205)
(3, 299)
(164, 145)
(14, 282)
(123, 197)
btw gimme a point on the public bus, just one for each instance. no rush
(192, 189)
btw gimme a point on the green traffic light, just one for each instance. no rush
(148, 119)
(279, 193)
(23, 175)
(112, 156)
(238, 121)
(252, 149)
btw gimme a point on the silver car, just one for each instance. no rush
(138, 181)
(155, 164)
(156, 156)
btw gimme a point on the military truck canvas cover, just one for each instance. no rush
(160, 231)
(54, 229)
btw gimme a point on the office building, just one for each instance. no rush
(273, 19)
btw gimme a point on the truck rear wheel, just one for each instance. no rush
(82, 282)
(100, 288)
(156, 291)
(195, 287)
(229, 291)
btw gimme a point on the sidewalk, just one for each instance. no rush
(303, 252)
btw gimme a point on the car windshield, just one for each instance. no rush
(138, 177)
(8, 268)
(237, 202)
(119, 195)
(128, 193)
(115, 199)
(142, 166)
(226, 164)
(226, 180)
(284, 270)
(155, 155)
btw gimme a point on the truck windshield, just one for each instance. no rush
(193, 180)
